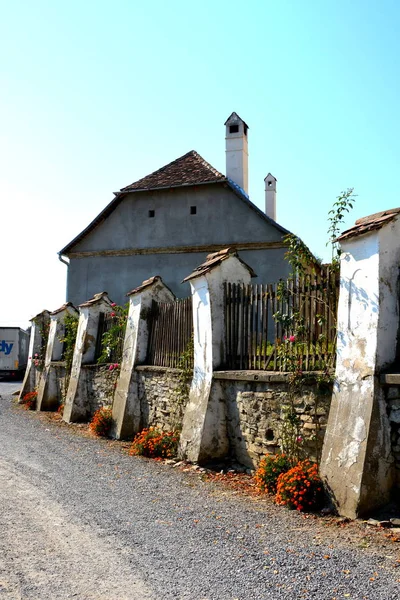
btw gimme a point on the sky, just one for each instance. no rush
(95, 95)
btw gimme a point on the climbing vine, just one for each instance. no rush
(113, 339)
(43, 326)
(296, 341)
(182, 376)
(185, 366)
(298, 254)
(68, 340)
(344, 203)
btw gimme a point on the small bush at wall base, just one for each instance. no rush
(155, 444)
(29, 400)
(300, 487)
(269, 469)
(101, 422)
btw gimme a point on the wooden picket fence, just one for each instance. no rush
(276, 326)
(171, 332)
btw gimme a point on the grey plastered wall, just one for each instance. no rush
(221, 219)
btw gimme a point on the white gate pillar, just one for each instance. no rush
(48, 390)
(36, 342)
(126, 406)
(356, 463)
(76, 403)
(204, 434)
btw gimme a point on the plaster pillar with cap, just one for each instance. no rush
(36, 341)
(126, 407)
(204, 432)
(270, 196)
(357, 463)
(48, 393)
(76, 403)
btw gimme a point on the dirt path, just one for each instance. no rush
(43, 555)
(81, 519)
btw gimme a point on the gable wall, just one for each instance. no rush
(119, 274)
(222, 218)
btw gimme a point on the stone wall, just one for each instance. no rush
(35, 375)
(160, 403)
(393, 405)
(58, 372)
(256, 405)
(100, 386)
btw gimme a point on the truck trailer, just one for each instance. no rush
(14, 345)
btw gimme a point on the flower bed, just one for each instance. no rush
(155, 444)
(29, 400)
(101, 422)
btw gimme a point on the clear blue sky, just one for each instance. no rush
(95, 95)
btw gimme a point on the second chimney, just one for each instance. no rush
(237, 154)
(270, 196)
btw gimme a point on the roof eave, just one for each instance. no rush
(170, 187)
(260, 213)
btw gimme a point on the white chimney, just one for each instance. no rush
(237, 154)
(270, 196)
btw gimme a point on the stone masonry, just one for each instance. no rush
(100, 386)
(256, 411)
(160, 405)
(60, 380)
(393, 404)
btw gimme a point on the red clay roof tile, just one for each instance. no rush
(214, 259)
(189, 169)
(370, 223)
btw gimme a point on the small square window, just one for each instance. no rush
(193, 210)
(233, 128)
(152, 213)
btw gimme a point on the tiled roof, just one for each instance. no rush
(44, 314)
(146, 283)
(370, 223)
(97, 298)
(189, 169)
(64, 307)
(234, 118)
(215, 259)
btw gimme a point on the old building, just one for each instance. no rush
(167, 222)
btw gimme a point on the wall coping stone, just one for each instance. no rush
(155, 368)
(95, 365)
(271, 376)
(390, 379)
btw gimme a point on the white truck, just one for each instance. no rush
(14, 345)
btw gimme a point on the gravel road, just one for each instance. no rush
(81, 519)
